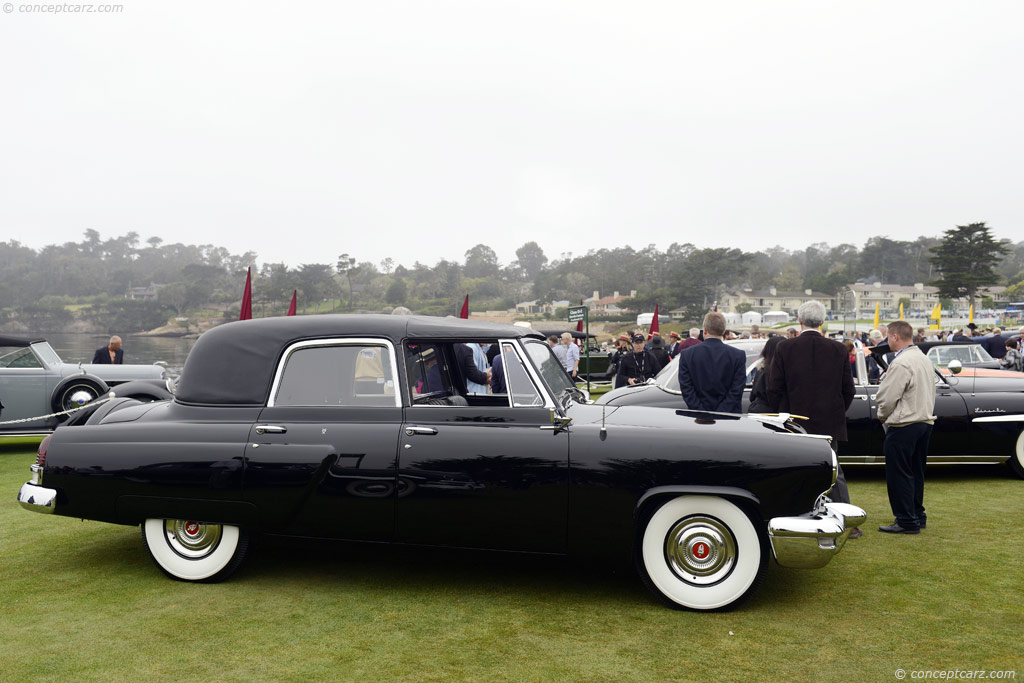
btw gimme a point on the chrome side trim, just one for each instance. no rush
(37, 498)
(999, 418)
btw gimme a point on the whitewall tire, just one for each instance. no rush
(189, 550)
(701, 553)
(1017, 459)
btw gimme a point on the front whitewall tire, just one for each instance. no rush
(702, 553)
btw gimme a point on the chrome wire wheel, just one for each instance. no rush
(702, 553)
(190, 550)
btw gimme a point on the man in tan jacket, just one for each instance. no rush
(906, 406)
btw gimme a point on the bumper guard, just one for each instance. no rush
(809, 541)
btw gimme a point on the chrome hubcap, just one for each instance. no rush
(191, 539)
(700, 550)
(79, 397)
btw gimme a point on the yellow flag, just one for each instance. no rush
(875, 326)
(970, 314)
(901, 310)
(936, 317)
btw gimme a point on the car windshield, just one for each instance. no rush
(46, 353)
(550, 369)
(668, 378)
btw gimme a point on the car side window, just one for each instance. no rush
(337, 375)
(427, 372)
(18, 357)
(520, 387)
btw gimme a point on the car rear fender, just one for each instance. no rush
(133, 510)
(151, 389)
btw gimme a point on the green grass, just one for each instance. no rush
(82, 601)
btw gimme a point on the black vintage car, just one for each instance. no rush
(362, 428)
(979, 412)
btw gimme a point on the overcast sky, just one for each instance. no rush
(415, 130)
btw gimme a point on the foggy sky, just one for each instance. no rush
(415, 130)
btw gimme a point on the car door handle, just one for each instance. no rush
(271, 429)
(861, 398)
(425, 431)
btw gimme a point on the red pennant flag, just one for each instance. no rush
(246, 312)
(654, 323)
(579, 325)
(464, 314)
(291, 309)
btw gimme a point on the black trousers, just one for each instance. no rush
(906, 452)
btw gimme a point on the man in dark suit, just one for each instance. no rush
(111, 354)
(712, 374)
(811, 377)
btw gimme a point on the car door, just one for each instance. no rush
(486, 471)
(321, 458)
(22, 386)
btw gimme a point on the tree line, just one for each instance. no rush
(93, 277)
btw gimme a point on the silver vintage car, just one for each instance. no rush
(36, 383)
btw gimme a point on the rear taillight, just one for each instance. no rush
(41, 451)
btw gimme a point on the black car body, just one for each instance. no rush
(361, 428)
(979, 413)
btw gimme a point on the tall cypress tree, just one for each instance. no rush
(966, 257)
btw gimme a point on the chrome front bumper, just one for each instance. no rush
(36, 498)
(809, 541)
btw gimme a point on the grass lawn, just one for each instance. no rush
(82, 601)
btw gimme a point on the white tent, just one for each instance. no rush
(751, 318)
(773, 317)
(732, 318)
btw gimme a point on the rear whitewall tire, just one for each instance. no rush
(1017, 459)
(187, 550)
(702, 553)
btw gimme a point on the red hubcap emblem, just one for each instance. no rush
(700, 551)
(192, 528)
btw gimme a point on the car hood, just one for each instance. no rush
(118, 373)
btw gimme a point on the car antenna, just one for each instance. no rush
(604, 430)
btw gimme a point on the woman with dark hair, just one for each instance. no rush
(759, 390)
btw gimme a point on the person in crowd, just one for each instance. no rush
(995, 343)
(729, 335)
(791, 333)
(759, 390)
(755, 332)
(811, 376)
(712, 374)
(906, 407)
(498, 385)
(692, 340)
(111, 354)
(473, 361)
(657, 347)
(850, 349)
(571, 363)
(674, 344)
(558, 349)
(1012, 358)
(920, 336)
(639, 365)
(622, 347)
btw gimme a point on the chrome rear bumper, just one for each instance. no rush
(37, 498)
(810, 541)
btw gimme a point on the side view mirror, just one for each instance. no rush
(955, 367)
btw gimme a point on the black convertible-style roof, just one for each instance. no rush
(16, 341)
(234, 364)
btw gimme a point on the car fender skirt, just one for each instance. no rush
(135, 509)
(728, 492)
